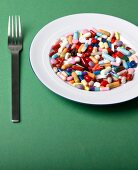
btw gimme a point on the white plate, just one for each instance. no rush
(42, 42)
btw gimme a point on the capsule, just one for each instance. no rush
(117, 35)
(124, 51)
(86, 35)
(84, 48)
(104, 32)
(70, 39)
(135, 57)
(113, 85)
(104, 89)
(75, 37)
(106, 71)
(108, 57)
(80, 48)
(94, 59)
(55, 56)
(76, 79)
(66, 66)
(60, 75)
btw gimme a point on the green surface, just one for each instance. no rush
(55, 133)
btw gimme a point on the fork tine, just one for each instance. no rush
(16, 29)
(12, 28)
(20, 31)
(9, 26)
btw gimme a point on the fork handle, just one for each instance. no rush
(15, 88)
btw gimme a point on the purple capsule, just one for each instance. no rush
(92, 88)
(119, 43)
(91, 64)
(84, 73)
(80, 86)
(69, 69)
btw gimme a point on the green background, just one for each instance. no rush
(55, 133)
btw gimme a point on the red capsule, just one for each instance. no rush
(124, 74)
(58, 65)
(99, 80)
(104, 83)
(113, 40)
(77, 46)
(90, 69)
(92, 33)
(87, 78)
(129, 77)
(75, 67)
(115, 46)
(84, 62)
(89, 49)
(56, 46)
(94, 40)
(87, 59)
(114, 55)
(101, 58)
(110, 51)
(128, 48)
(87, 54)
(52, 53)
(119, 54)
(59, 60)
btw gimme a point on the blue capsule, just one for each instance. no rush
(55, 56)
(68, 73)
(96, 72)
(59, 69)
(97, 89)
(124, 51)
(99, 34)
(96, 45)
(103, 40)
(81, 78)
(125, 65)
(133, 64)
(109, 44)
(108, 57)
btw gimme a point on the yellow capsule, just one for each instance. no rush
(80, 48)
(76, 79)
(101, 44)
(63, 53)
(65, 66)
(70, 39)
(113, 85)
(117, 35)
(104, 32)
(130, 59)
(75, 84)
(105, 45)
(94, 59)
(107, 65)
(84, 82)
(86, 88)
(94, 49)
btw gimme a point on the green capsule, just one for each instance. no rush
(125, 58)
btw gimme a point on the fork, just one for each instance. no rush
(15, 46)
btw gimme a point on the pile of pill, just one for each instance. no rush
(93, 60)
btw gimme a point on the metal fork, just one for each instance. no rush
(15, 46)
